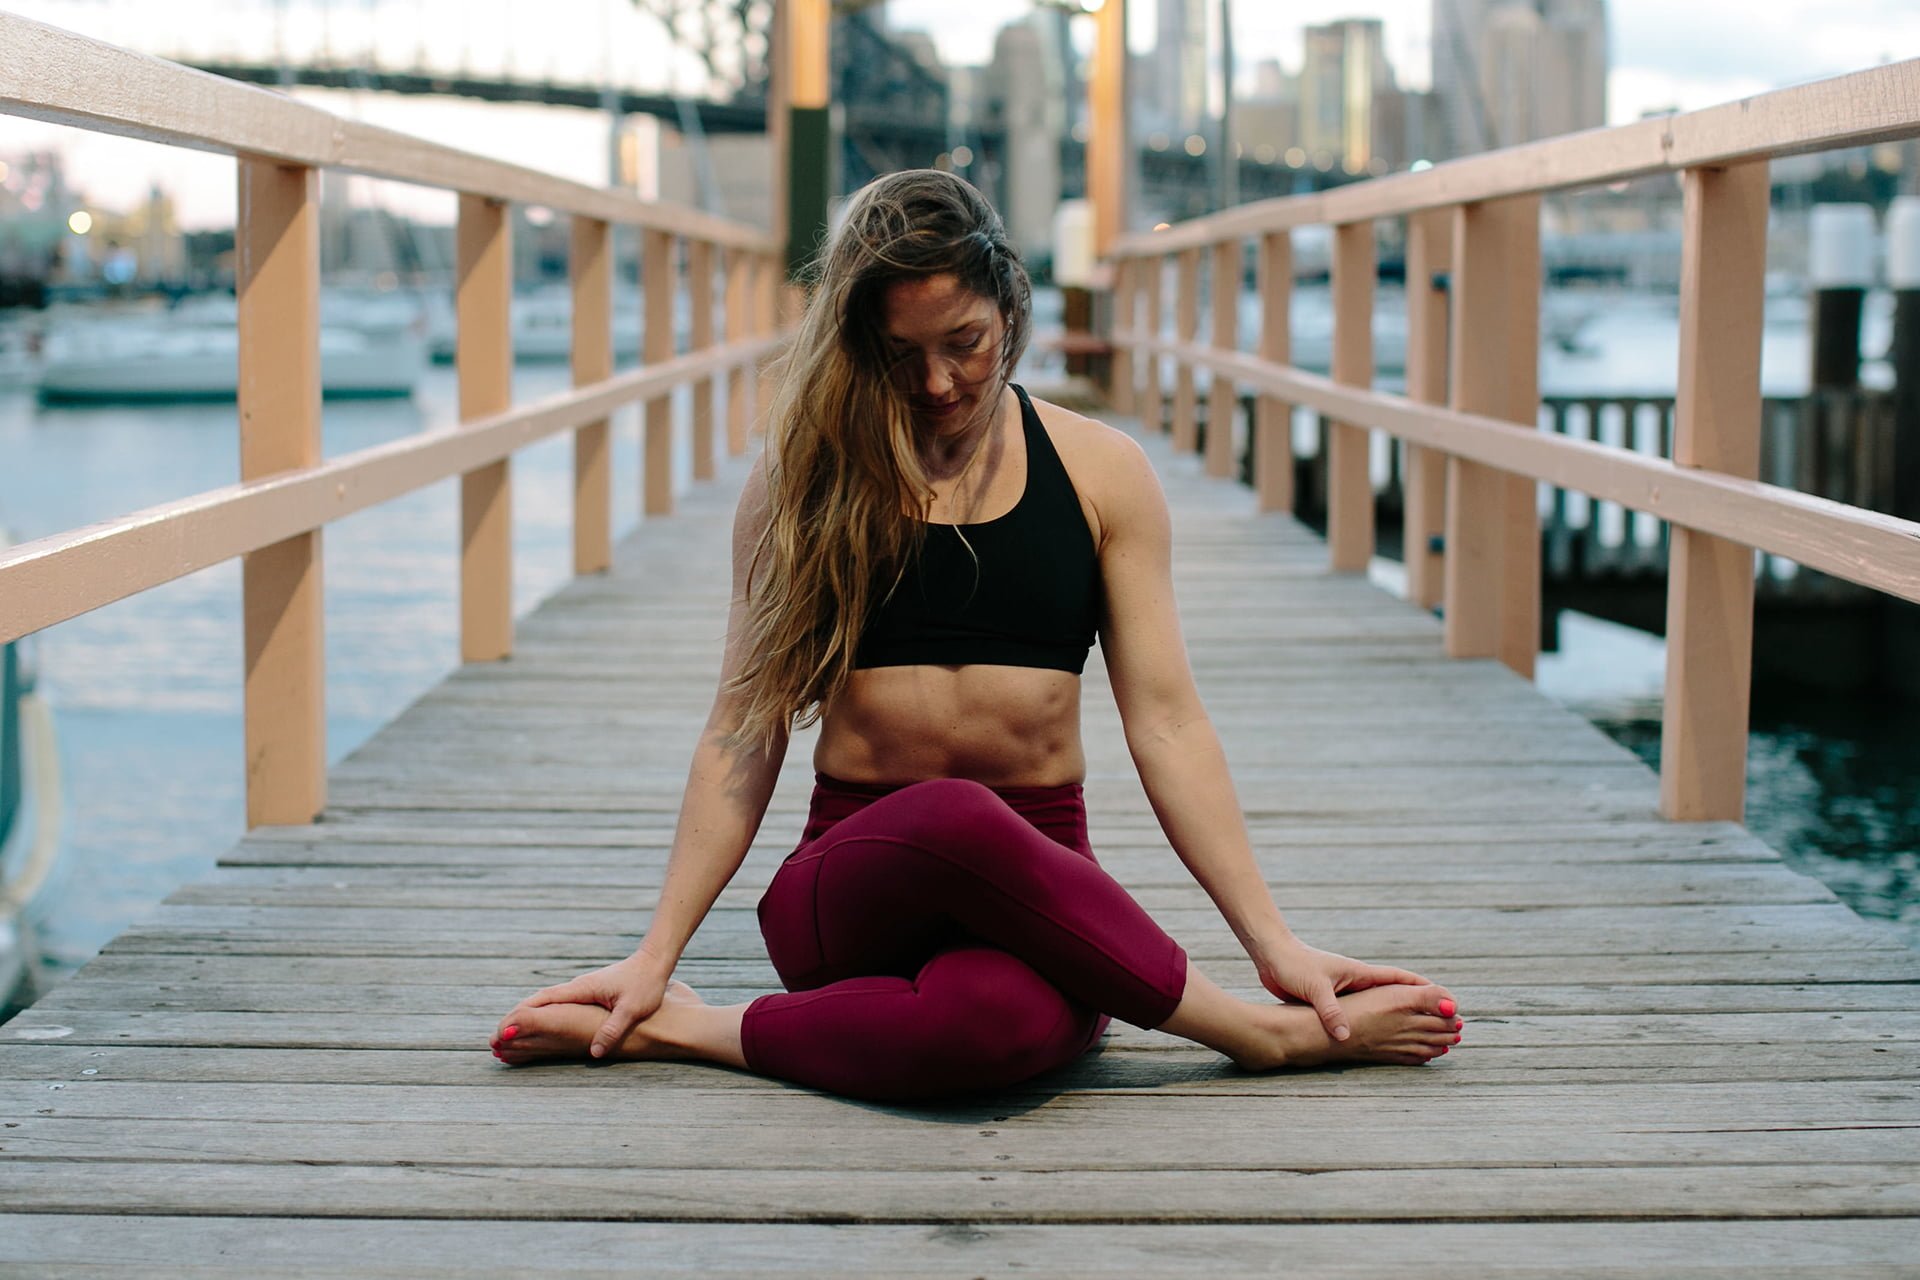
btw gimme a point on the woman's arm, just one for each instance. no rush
(1174, 746)
(725, 799)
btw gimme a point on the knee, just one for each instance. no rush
(998, 1024)
(950, 812)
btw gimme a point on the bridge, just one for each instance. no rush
(1680, 1056)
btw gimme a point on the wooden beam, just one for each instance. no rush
(1492, 563)
(1703, 730)
(657, 288)
(1122, 394)
(591, 269)
(700, 337)
(739, 324)
(1349, 486)
(1153, 396)
(483, 354)
(1221, 402)
(1107, 146)
(277, 280)
(1186, 313)
(1424, 483)
(1273, 417)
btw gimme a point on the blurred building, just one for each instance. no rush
(1512, 71)
(1027, 92)
(1349, 117)
(1169, 84)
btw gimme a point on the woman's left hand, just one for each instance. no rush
(1293, 970)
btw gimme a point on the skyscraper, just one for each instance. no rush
(1511, 71)
(1342, 78)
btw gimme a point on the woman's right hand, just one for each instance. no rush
(630, 990)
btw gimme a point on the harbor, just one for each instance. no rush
(368, 569)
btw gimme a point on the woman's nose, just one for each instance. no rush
(938, 380)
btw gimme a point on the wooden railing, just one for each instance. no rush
(1471, 474)
(287, 493)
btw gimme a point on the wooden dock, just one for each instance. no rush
(1680, 1057)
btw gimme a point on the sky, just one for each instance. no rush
(1665, 53)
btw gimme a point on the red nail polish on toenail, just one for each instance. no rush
(1446, 1008)
(1443, 1051)
(1456, 1039)
(510, 1033)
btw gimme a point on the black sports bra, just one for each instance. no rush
(1033, 600)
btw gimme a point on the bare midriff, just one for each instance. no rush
(1003, 726)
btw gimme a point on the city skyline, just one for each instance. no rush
(1662, 56)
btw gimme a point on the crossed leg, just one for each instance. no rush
(1027, 939)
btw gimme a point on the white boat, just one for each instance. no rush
(196, 356)
(542, 326)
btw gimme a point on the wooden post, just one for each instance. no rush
(1186, 320)
(1126, 318)
(591, 267)
(278, 283)
(483, 353)
(1520, 583)
(1424, 485)
(700, 337)
(766, 311)
(1153, 398)
(656, 287)
(739, 267)
(1273, 417)
(1221, 402)
(1349, 486)
(1493, 370)
(1716, 425)
(1107, 147)
(809, 123)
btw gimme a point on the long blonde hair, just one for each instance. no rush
(847, 492)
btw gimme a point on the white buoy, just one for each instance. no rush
(1840, 264)
(1841, 252)
(1903, 243)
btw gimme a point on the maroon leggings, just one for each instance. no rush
(946, 936)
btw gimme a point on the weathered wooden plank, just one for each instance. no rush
(457, 1031)
(1163, 1067)
(1105, 1133)
(395, 996)
(1709, 973)
(1840, 1247)
(1007, 1196)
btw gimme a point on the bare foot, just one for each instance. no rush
(1398, 1024)
(551, 1032)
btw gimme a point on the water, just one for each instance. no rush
(147, 692)
(1830, 780)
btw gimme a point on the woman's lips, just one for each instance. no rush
(938, 410)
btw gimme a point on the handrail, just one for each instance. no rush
(1472, 528)
(65, 78)
(64, 575)
(1864, 547)
(287, 493)
(1877, 105)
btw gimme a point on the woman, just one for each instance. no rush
(922, 557)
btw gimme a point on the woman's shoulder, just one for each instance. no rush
(1109, 469)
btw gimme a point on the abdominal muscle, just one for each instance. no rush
(1003, 726)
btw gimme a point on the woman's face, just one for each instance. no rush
(945, 342)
